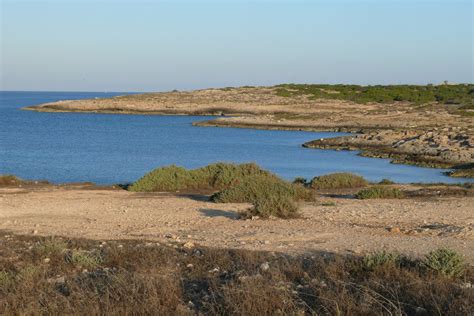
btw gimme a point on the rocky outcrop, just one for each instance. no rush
(448, 147)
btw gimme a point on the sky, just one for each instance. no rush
(119, 45)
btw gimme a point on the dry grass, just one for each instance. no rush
(138, 277)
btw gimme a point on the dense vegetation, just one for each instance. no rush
(245, 183)
(52, 276)
(212, 177)
(261, 187)
(460, 94)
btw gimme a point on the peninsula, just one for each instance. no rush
(428, 125)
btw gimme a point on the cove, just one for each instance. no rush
(115, 148)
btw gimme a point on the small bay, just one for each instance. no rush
(114, 148)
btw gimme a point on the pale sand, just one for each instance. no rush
(351, 226)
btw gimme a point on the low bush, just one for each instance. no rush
(8, 179)
(84, 259)
(300, 180)
(261, 187)
(380, 258)
(245, 183)
(212, 177)
(460, 94)
(386, 182)
(445, 261)
(380, 192)
(341, 180)
(281, 206)
(50, 247)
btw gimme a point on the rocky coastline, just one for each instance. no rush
(431, 135)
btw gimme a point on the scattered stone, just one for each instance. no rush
(188, 245)
(394, 230)
(420, 311)
(264, 266)
(57, 280)
(46, 260)
(34, 232)
(189, 266)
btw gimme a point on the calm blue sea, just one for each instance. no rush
(110, 148)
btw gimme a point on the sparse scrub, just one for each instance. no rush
(341, 180)
(50, 247)
(380, 258)
(139, 278)
(6, 281)
(84, 259)
(445, 261)
(380, 192)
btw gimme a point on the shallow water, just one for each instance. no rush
(114, 148)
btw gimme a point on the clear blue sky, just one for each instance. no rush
(161, 45)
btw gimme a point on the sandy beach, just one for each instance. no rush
(338, 224)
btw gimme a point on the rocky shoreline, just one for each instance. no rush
(450, 148)
(432, 135)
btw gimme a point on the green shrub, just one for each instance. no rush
(212, 177)
(445, 94)
(300, 180)
(8, 179)
(51, 246)
(282, 206)
(380, 258)
(341, 180)
(386, 182)
(380, 192)
(84, 259)
(445, 261)
(330, 203)
(245, 183)
(7, 281)
(260, 188)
